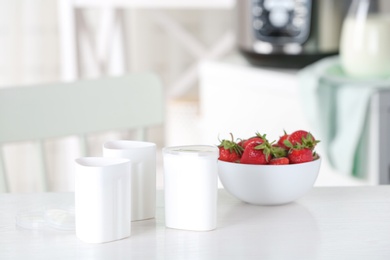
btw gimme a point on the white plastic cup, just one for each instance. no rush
(142, 156)
(190, 187)
(102, 199)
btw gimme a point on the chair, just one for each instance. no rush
(78, 108)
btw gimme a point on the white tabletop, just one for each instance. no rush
(327, 223)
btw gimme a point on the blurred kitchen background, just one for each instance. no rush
(227, 66)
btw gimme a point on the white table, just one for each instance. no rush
(328, 223)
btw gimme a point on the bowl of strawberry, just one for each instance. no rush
(260, 172)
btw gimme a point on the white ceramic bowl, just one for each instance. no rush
(268, 184)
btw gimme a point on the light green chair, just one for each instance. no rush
(39, 112)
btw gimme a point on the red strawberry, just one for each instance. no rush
(300, 155)
(256, 152)
(279, 161)
(257, 138)
(302, 138)
(280, 142)
(229, 151)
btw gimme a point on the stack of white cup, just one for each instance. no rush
(113, 190)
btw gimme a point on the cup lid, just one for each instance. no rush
(38, 218)
(192, 150)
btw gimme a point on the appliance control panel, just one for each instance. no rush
(281, 21)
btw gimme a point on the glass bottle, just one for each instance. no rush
(365, 39)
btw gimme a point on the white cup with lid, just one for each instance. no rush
(190, 187)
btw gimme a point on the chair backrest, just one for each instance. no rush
(55, 110)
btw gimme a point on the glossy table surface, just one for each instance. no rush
(327, 223)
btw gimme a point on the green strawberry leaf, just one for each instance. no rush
(288, 144)
(278, 152)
